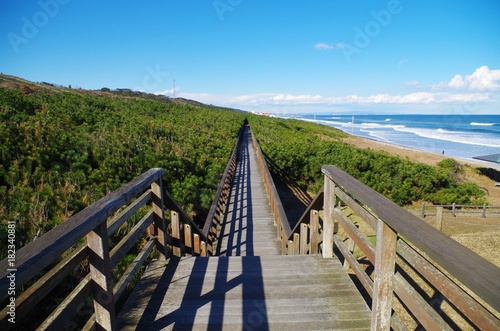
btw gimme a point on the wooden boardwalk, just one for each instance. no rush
(248, 224)
(249, 286)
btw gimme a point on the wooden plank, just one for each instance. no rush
(328, 227)
(364, 279)
(314, 231)
(116, 222)
(176, 233)
(469, 268)
(316, 204)
(424, 313)
(196, 244)
(383, 283)
(226, 178)
(35, 256)
(290, 248)
(100, 272)
(159, 219)
(38, 291)
(125, 279)
(357, 208)
(188, 240)
(204, 251)
(356, 235)
(296, 244)
(474, 311)
(230, 290)
(303, 239)
(60, 318)
(439, 218)
(126, 243)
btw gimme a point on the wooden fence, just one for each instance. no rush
(454, 209)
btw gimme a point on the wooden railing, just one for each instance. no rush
(52, 248)
(85, 239)
(415, 275)
(215, 216)
(280, 218)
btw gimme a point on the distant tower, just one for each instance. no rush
(173, 91)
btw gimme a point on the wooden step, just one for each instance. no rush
(246, 293)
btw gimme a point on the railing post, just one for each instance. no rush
(100, 271)
(383, 283)
(159, 219)
(328, 222)
(439, 218)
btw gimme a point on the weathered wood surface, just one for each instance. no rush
(476, 273)
(286, 292)
(247, 227)
(35, 256)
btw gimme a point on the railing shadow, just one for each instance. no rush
(214, 287)
(211, 296)
(236, 234)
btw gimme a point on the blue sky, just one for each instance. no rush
(347, 56)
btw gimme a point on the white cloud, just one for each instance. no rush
(263, 100)
(324, 46)
(483, 79)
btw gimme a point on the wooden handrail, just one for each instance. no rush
(91, 224)
(315, 204)
(218, 206)
(283, 226)
(469, 268)
(32, 258)
(393, 258)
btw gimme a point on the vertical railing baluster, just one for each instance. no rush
(303, 239)
(328, 226)
(159, 219)
(383, 283)
(100, 271)
(176, 233)
(314, 231)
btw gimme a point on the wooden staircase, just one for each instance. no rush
(282, 292)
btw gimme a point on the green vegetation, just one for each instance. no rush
(61, 150)
(299, 149)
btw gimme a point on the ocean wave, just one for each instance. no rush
(469, 138)
(482, 124)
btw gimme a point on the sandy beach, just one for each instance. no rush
(433, 159)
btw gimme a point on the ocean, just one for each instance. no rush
(458, 136)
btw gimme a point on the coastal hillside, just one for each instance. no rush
(61, 149)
